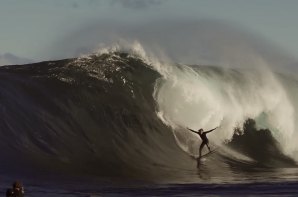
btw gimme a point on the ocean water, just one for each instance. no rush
(114, 124)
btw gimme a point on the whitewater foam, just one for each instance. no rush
(207, 96)
(196, 97)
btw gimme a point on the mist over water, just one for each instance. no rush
(208, 96)
(192, 97)
(200, 42)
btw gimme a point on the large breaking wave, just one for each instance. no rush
(123, 114)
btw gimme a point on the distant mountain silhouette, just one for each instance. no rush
(11, 59)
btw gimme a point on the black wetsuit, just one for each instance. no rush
(204, 137)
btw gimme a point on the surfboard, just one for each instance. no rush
(205, 155)
(211, 152)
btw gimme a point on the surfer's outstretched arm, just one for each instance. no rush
(192, 130)
(210, 130)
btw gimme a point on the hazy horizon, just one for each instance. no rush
(46, 30)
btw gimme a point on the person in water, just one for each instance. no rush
(205, 141)
(16, 191)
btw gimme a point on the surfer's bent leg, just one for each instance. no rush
(201, 148)
(207, 144)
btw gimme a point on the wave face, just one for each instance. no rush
(114, 114)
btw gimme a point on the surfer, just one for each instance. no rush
(205, 141)
(16, 191)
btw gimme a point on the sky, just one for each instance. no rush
(37, 30)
